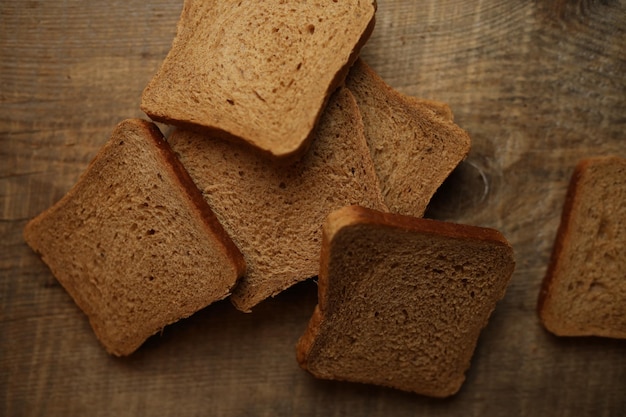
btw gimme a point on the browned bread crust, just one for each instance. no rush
(584, 290)
(402, 300)
(134, 243)
(267, 90)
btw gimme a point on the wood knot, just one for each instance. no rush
(464, 191)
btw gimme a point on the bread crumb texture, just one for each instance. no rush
(402, 300)
(268, 89)
(129, 243)
(584, 291)
(413, 147)
(274, 213)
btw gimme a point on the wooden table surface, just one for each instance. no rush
(537, 84)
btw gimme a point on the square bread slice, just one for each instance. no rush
(258, 71)
(402, 300)
(584, 290)
(275, 213)
(134, 243)
(413, 147)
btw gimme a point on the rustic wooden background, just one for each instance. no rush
(538, 84)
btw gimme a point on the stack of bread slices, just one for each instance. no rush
(290, 158)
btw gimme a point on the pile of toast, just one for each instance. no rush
(290, 158)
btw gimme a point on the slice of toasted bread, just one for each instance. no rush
(134, 243)
(255, 71)
(275, 213)
(584, 290)
(414, 148)
(402, 300)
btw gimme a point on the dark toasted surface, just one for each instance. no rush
(538, 85)
(584, 291)
(402, 300)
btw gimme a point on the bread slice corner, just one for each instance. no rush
(402, 300)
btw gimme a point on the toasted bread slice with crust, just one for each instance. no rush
(134, 243)
(267, 90)
(402, 300)
(584, 290)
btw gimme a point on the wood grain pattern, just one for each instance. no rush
(538, 85)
